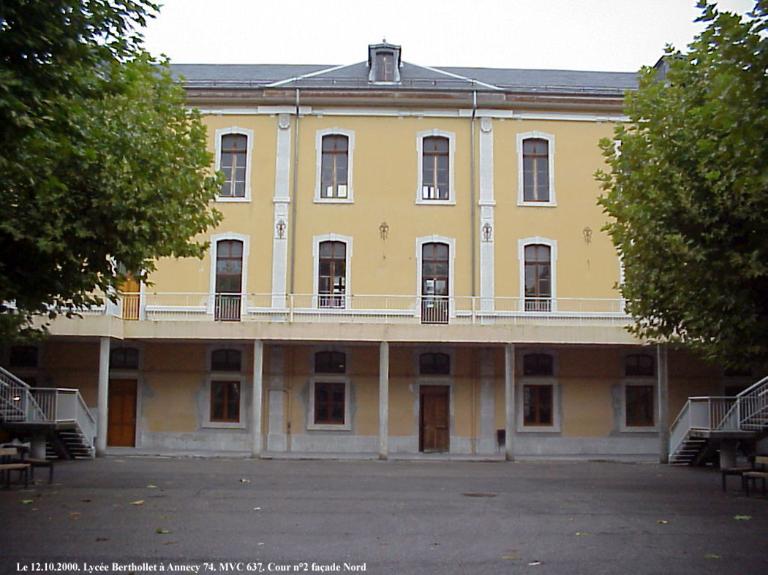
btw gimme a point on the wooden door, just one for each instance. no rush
(121, 429)
(434, 418)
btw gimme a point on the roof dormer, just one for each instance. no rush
(384, 63)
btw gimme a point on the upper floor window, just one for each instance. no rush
(233, 158)
(536, 169)
(229, 279)
(384, 62)
(124, 358)
(538, 278)
(332, 274)
(384, 67)
(434, 364)
(434, 169)
(334, 165)
(639, 364)
(226, 360)
(435, 150)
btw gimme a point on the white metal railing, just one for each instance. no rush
(17, 404)
(370, 308)
(747, 411)
(20, 403)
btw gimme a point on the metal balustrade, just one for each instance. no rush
(745, 412)
(371, 308)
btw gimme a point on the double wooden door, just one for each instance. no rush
(121, 428)
(434, 418)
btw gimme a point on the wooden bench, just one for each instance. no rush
(6, 467)
(759, 472)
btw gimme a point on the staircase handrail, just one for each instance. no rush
(28, 405)
(75, 410)
(754, 387)
(679, 429)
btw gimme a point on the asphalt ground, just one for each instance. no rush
(143, 515)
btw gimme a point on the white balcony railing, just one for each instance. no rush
(350, 308)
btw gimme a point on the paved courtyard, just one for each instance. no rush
(236, 515)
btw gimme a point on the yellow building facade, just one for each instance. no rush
(411, 261)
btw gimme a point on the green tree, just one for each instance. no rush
(687, 192)
(100, 162)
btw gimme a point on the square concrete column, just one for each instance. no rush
(103, 397)
(509, 400)
(662, 394)
(383, 400)
(256, 397)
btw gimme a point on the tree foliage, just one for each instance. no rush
(100, 162)
(687, 192)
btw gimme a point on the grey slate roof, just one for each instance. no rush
(355, 76)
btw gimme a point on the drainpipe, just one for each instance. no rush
(473, 241)
(294, 198)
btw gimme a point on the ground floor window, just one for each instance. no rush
(638, 406)
(330, 400)
(538, 405)
(225, 401)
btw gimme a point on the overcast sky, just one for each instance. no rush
(616, 35)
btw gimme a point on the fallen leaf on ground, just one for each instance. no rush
(663, 522)
(161, 531)
(138, 502)
(511, 556)
(742, 517)
(260, 543)
(243, 480)
(711, 556)
(580, 533)
(150, 486)
(532, 563)
(74, 515)
(27, 501)
(257, 508)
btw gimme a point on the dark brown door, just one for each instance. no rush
(434, 418)
(121, 430)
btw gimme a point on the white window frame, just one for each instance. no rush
(329, 378)
(215, 239)
(319, 135)
(550, 138)
(451, 136)
(212, 376)
(316, 241)
(636, 381)
(220, 133)
(551, 380)
(420, 241)
(521, 245)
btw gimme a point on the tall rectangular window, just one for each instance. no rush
(538, 278)
(638, 405)
(233, 164)
(225, 401)
(536, 170)
(229, 279)
(335, 167)
(435, 180)
(332, 274)
(385, 67)
(435, 269)
(330, 400)
(537, 405)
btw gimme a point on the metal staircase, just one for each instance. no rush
(704, 421)
(58, 413)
